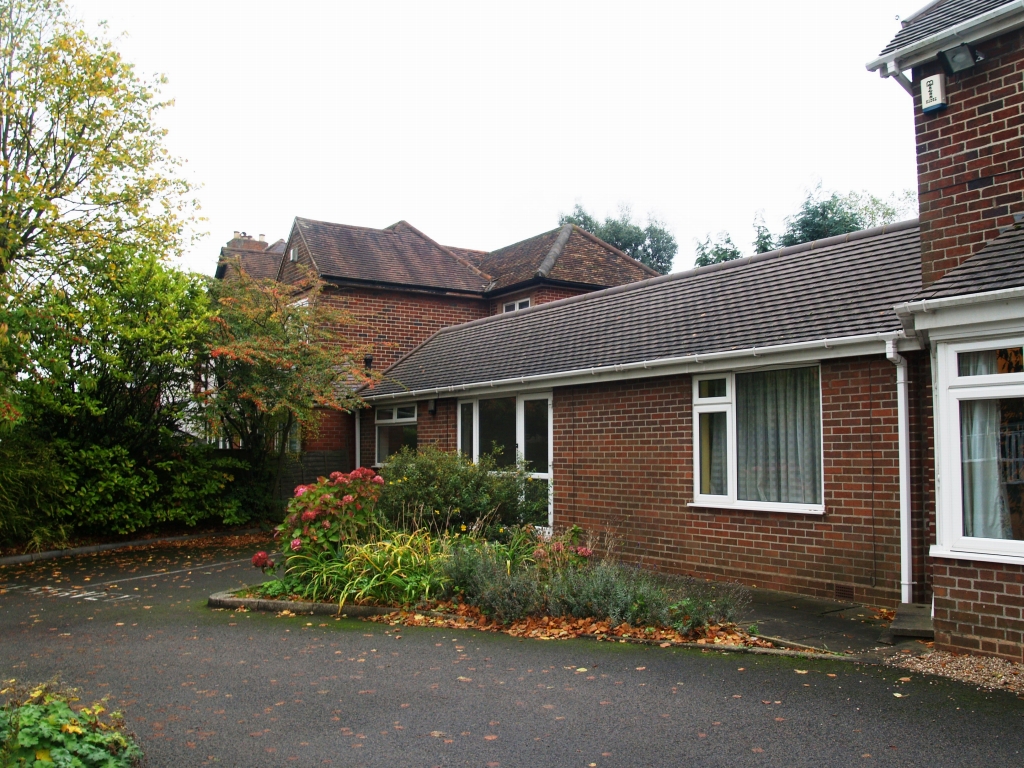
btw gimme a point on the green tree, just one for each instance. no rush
(82, 162)
(277, 357)
(715, 252)
(827, 214)
(106, 397)
(652, 245)
(763, 239)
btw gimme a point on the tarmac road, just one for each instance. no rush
(203, 687)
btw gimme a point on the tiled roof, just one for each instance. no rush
(567, 254)
(937, 17)
(839, 287)
(399, 255)
(998, 265)
(472, 256)
(259, 260)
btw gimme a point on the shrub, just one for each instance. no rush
(609, 590)
(432, 488)
(39, 727)
(708, 602)
(486, 578)
(395, 568)
(330, 513)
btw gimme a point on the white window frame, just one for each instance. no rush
(474, 453)
(951, 389)
(727, 405)
(293, 255)
(389, 421)
(516, 305)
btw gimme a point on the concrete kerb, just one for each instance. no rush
(228, 600)
(93, 548)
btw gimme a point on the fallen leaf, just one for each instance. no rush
(465, 679)
(437, 734)
(904, 679)
(898, 695)
(757, 749)
(832, 675)
(490, 737)
(800, 671)
(640, 669)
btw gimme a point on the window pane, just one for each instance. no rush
(385, 414)
(393, 438)
(711, 388)
(992, 467)
(778, 436)
(713, 475)
(510, 307)
(406, 412)
(535, 510)
(498, 428)
(524, 304)
(990, 361)
(466, 429)
(535, 423)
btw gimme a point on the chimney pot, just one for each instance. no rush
(236, 235)
(263, 238)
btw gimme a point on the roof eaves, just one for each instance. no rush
(984, 26)
(309, 250)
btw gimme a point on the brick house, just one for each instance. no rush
(842, 418)
(401, 286)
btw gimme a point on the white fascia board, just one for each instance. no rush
(756, 357)
(985, 26)
(932, 316)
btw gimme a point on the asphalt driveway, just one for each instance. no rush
(204, 687)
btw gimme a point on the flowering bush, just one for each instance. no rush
(262, 561)
(330, 513)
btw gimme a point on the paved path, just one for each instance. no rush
(203, 687)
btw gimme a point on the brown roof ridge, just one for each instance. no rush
(451, 253)
(591, 236)
(556, 250)
(471, 250)
(309, 250)
(348, 226)
(861, 234)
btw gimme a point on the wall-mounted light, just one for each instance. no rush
(368, 362)
(432, 407)
(959, 59)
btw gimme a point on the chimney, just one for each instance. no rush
(236, 235)
(970, 155)
(263, 238)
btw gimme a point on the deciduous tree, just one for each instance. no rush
(652, 245)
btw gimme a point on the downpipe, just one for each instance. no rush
(903, 421)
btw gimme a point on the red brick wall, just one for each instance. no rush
(335, 431)
(922, 474)
(537, 296)
(970, 167)
(978, 607)
(623, 463)
(394, 322)
(439, 429)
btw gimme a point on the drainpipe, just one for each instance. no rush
(359, 441)
(903, 420)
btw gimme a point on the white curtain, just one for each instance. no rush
(986, 508)
(778, 434)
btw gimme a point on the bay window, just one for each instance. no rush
(757, 440)
(981, 448)
(396, 429)
(512, 427)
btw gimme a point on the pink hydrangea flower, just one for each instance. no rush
(260, 560)
(300, 489)
(296, 545)
(309, 516)
(540, 554)
(557, 546)
(584, 551)
(378, 480)
(348, 498)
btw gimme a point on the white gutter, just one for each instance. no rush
(655, 366)
(986, 25)
(903, 421)
(926, 306)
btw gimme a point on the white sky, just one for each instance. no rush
(480, 122)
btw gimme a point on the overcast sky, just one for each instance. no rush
(480, 122)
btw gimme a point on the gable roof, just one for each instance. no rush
(397, 255)
(842, 287)
(997, 266)
(259, 260)
(567, 254)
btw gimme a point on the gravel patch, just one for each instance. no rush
(983, 671)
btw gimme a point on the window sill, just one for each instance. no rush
(985, 557)
(760, 506)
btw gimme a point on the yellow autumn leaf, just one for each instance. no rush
(43, 756)
(69, 728)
